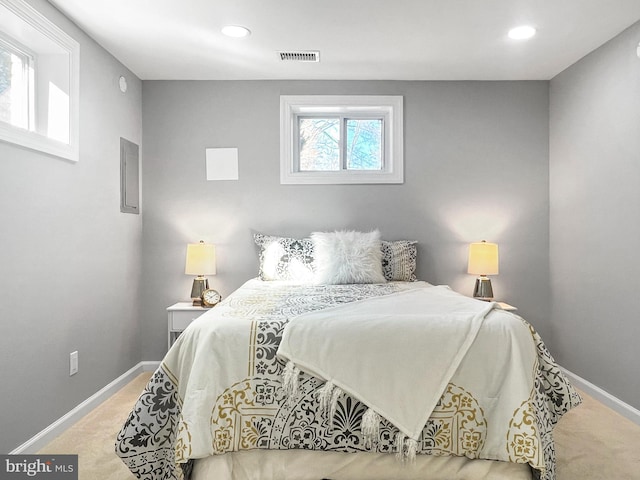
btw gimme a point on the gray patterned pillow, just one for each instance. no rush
(283, 258)
(399, 260)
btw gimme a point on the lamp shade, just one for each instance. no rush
(483, 258)
(201, 259)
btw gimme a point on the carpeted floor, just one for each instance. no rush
(595, 443)
(592, 441)
(93, 437)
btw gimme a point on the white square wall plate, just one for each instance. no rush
(222, 163)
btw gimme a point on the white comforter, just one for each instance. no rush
(219, 389)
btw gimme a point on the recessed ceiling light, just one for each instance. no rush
(522, 33)
(236, 31)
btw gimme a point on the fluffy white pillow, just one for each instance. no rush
(343, 257)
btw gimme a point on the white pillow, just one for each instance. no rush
(347, 257)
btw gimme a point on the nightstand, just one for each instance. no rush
(180, 316)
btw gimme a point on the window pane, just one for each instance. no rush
(364, 144)
(5, 85)
(319, 144)
(14, 89)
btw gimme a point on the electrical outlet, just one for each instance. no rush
(73, 363)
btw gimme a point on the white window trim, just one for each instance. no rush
(31, 139)
(389, 106)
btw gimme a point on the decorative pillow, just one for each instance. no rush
(347, 257)
(283, 258)
(399, 260)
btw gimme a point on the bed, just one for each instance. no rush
(297, 374)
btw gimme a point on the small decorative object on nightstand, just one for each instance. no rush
(210, 298)
(180, 316)
(507, 307)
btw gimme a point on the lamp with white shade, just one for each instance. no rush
(201, 261)
(483, 261)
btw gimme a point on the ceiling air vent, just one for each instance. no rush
(300, 56)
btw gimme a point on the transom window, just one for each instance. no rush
(341, 139)
(16, 84)
(39, 82)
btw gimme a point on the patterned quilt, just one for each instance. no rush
(219, 389)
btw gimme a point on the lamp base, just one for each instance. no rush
(200, 284)
(482, 289)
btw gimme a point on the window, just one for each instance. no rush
(341, 139)
(340, 143)
(16, 85)
(39, 76)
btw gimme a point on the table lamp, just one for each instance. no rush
(483, 261)
(201, 261)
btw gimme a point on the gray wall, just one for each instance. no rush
(69, 260)
(476, 163)
(594, 219)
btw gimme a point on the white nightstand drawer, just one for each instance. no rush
(181, 320)
(180, 316)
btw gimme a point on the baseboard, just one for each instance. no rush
(42, 438)
(603, 397)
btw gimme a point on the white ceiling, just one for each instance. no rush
(357, 39)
